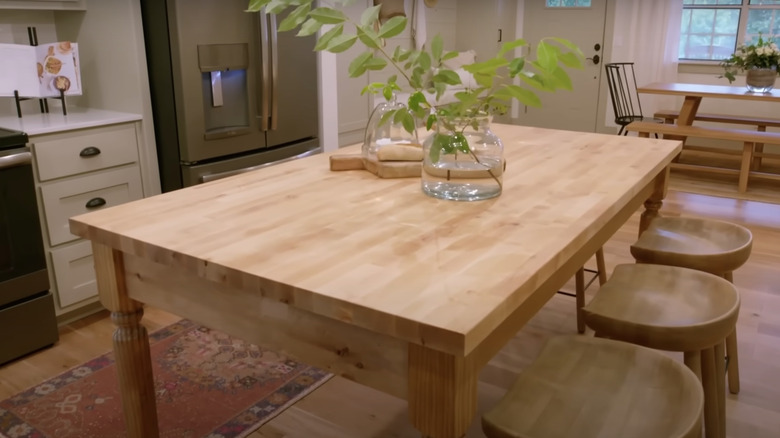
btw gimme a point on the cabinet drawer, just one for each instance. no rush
(74, 273)
(60, 155)
(71, 197)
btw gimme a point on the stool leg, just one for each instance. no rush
(579, 290)
(601, 266)
(733, 359)
(720, 371)
(693, 362)
(732, 355)
(708, 381)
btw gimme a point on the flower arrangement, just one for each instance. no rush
(764, 53)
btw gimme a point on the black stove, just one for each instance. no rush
(11, 139)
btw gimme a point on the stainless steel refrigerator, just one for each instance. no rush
(229, 93)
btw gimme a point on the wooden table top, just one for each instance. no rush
(380, 254)
(703, 90)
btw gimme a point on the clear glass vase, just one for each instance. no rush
(760, 80)
(386, 134)
(463, 160)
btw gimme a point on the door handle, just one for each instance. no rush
(596, 59)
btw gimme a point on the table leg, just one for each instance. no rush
(688, 111)
(442, 392)
(655, 201)
(131, 345)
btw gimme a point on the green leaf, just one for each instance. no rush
(276, 6)
(370, 15)
(569, 45)
(484, 79)
(256, 5)
(545, 56)
(448, 77)
(437, 47)
(368, 37)
(534, 80)
(459, 142)
(516, 66)
(440, 144)
(392, 27)
(525, 96)
(560, 79)
(408, 122)
(399, 116)
(309, 27)
(324, 40)
(511, 45)
(490, 66)
(386, 117)
(424, 60)
(429, 123)
(358, 65)
(295, 18)
(376, 63)
(449, 55)
(415, 100)
(328, 15)
(341, 43)
(571, 60)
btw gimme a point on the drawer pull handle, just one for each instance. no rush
(89, 152)
(96, 202)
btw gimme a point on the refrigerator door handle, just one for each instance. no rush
(263, 89)
(274, 73)
(220, 175)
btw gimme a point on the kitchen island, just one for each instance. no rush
(368, 277)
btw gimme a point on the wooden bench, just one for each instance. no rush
(761, 123)
(747, 137)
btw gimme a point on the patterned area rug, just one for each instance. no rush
(207, 383)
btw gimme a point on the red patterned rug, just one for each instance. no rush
(208, 385)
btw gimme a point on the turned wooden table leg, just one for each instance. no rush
(656, 200)
(131, 345)
(442, 392)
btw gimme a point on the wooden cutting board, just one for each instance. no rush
(382, 169)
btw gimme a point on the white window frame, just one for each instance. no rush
(742, 26)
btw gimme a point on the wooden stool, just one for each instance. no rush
(675, 309)
(586, 387)
(706, 245)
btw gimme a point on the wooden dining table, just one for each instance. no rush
(694, 93)
(368, 277)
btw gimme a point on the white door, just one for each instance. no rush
(575, 110)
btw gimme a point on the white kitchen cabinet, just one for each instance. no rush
(76, 171)
(51, 5)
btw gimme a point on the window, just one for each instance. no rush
(711, 29)
(568, 3)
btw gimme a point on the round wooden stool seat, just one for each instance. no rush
(677, 309)
(706, 245)
(664, 307)
(583, 387)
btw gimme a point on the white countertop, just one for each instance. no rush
(34, 123)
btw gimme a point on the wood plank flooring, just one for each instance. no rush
(342, 409)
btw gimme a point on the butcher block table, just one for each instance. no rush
(368, 277)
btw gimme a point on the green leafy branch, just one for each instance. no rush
(424, 70)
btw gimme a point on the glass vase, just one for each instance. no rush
(385, 133)
(760, 80)
(463, 160)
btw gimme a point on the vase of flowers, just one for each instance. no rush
(461, 153)
(759, 60)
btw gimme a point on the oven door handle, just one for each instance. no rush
(20, 159)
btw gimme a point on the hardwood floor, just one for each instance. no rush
(341, 409)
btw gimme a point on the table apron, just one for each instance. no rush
(369, 358)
